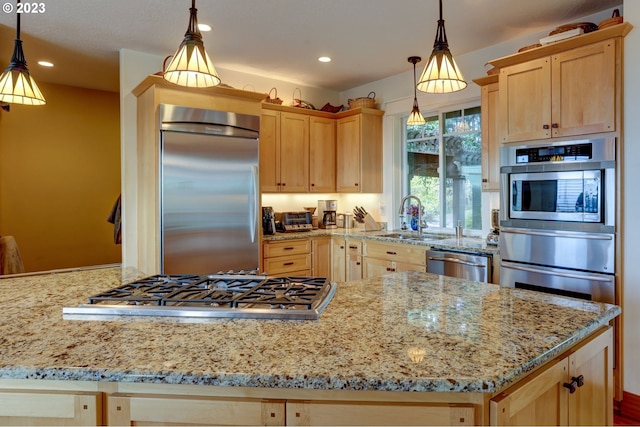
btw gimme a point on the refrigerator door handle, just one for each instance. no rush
(254, 203)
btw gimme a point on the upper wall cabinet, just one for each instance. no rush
(490, 143)
(284, 152)
(563, 89)
(318, 152)
(359, 153)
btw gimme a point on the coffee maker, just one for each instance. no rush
(268, 220)
(327, 213)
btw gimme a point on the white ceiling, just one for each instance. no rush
(282, 39)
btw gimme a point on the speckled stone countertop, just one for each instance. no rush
(402, 332)
(431, 239)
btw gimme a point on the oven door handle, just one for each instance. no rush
(555, 272)
(581, 235)
(457, 261)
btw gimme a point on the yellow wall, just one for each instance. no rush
(60, 176)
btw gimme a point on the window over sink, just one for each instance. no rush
(442, 167)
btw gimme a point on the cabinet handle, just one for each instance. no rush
(356, 184)
(313, 185)
(555, 125)
(545, 127)
(283, 184)
(290, 248)
(575, 382)
(391, 253)
(341, 247)
(391, 269)
(353, 247)
(485, 180)
(357, 263)
(288, 263)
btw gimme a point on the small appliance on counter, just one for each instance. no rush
(314, 218)
(291, 222)
(494, 236)
(327, 213)
(268, 221)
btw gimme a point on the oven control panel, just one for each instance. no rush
(554, 153)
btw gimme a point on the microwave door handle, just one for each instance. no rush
(530, 232)
(557, 273)
(457, 261)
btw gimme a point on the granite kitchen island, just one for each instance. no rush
(420, 348)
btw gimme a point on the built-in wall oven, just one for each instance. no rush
(557, 226)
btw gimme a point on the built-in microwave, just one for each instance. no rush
(569, 182)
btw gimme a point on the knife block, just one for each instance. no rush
(370, 224)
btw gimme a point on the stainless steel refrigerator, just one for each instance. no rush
(209, 191)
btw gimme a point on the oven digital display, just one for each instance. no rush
(555, 153)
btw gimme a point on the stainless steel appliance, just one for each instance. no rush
(465, 265)
(327, 214)
(209, 192)
(232, 294)
(557, 228)
(268, 220)
(294, 221)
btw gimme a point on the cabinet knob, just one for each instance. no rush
(356, 184)
(545, 127)
(575, 382)
(283, 184)
(485, 180)
(555, 125)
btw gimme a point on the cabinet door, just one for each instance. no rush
(294, 153)
(338, 260)
(490, 142)
(22, 407)
(308, 413)
(525, 101)
(374, 267)
(584, 90)
(269, 151)
(592, 402)
(348, 155)
(354, 267)
(321, 257)
(192, 410)
(322, 155)
(540, 399)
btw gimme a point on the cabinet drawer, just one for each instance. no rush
(287, 247)
(408, 254)
(288, 264)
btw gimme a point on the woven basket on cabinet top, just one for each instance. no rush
(367, 102)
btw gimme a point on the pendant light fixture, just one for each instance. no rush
(415, 118)
(191, 66)
(16, 84)
(441, 75)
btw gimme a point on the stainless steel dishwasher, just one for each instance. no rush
(465, 265)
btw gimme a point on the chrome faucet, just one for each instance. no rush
(401, 210)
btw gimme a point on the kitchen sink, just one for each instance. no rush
(414, 237)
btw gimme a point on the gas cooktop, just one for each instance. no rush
(249, 296)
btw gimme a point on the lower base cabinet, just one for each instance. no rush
(311, 413)
(186, 410)
(50, 408)
(384, 258)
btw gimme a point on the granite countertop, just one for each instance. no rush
(432, 239)
(401, 332)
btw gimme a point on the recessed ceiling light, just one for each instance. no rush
(45, 63)
(204, 27)
(324, 59)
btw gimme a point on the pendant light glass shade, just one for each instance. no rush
(441, 75)
(191, 65)
(415, 118)
(16, 84)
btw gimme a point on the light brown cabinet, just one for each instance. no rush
(140, 409)
(566, 94)
(576, 389)
(287, 257)
(46, 407)
(321, 257)
(354, 259)
(322, 155)
(344, 413)
(383, 258)
(490, 154)
(284, 152)
(338, 259)
(359, 153)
